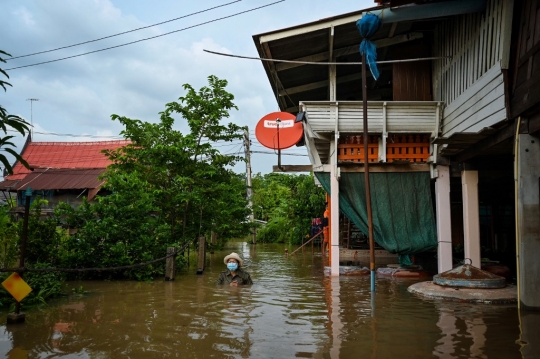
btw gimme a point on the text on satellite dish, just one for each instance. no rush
(282, 124)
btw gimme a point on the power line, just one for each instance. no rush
(71, 135)
(123, 33)
(324, 63)
(148, 38)
(283, 154)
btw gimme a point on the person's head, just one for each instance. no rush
(233, 261)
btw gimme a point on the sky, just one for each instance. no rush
(76, 97)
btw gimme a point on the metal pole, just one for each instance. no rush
(24, 236)
(279, 149)
(366, 176)
(249, 185)
(32, 115)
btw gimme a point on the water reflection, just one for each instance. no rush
(475, 331)
(333, 313)
(292, 310)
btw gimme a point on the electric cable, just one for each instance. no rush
(122, 33)
(148, 38)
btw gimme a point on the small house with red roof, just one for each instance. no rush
(61, 171)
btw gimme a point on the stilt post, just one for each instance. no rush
(202, 255)
(170, 264)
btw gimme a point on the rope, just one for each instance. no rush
(325, 63)
(26, 269)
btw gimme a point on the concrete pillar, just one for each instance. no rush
(444, 224)
(334, 214)
(471, 216)
(528, 220)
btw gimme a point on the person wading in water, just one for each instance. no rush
(234, 275)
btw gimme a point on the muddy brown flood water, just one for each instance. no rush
(292, 311)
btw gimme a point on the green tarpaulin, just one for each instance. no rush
(402, 210)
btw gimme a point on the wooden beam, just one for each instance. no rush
(534, 123)
(310, 27)
(293, 168)
(325, 56)
(385, 167)
(201, 260)
(275, 82)
(319, 84)
(482, 145)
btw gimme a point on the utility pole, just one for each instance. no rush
(247, 143)
(32, 115)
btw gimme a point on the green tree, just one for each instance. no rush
(8, 238)
(8, 121)
(166, 188)
(287, 203)
(187, 177)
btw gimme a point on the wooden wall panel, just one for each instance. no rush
(526, 87)
(411, 81)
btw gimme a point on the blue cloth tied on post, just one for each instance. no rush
(368, 26)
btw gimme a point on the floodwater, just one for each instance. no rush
(292, 310)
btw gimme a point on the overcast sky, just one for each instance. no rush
(77, 96)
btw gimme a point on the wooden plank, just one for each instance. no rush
(319, 84)
(489, 33)
(462, 44)
(481, 49)
(477, 102)
(477, 87)
(493, 103)
(170, 264)
(201, 260)
(478, 124)
(502, 135)
(293, 168)
(348, 50)
(275, 82)
(385, 167)
(526, 96)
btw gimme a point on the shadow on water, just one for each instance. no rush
(292, 310)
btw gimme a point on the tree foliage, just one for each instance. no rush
(8, 122)
(165, 187)
(287, 203)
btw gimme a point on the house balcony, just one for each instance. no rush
(399, 132)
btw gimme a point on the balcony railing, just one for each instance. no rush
(398, 130)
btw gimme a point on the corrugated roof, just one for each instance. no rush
(64, 155)
(8, 184)
(60, 178)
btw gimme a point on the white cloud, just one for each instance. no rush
(77, 96)
(25, 16)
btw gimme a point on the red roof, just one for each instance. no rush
(81, 155)
(58, 178)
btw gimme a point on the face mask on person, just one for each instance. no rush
(232, 266)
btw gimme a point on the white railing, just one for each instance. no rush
(383, 116)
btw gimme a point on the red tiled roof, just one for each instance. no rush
(58, 178)
(64, 155)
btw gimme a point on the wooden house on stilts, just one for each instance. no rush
(453, 128)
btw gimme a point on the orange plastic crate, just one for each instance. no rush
(351, 149)
(413, 148)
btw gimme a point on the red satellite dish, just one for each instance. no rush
(278, 131)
